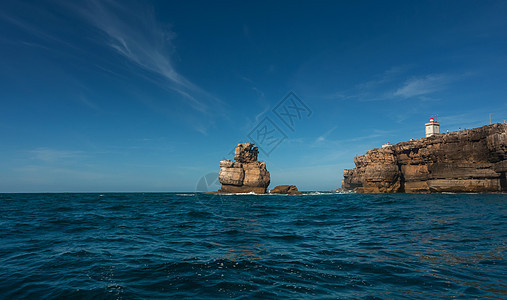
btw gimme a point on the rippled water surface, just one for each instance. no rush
(132, 246)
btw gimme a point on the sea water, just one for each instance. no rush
(318, 245)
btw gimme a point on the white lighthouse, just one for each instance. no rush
(433, 127)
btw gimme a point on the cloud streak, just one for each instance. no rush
(379, 88)
(135, 34)
(52, 155)
(387, 76)
(393, 84)
(325, 135)
(423, 85)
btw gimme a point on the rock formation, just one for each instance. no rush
(246, 174)
(286, 189)
(471, 160)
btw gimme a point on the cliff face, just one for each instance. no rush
(246, 174)
(464, 161)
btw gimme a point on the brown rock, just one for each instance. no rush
(234, 189)
(231, 173)
(464, 161)
(285, 189)
(246, 153)
(415, 172)
(246, 175)
(484, 185)
(256, 174)
(416, 187)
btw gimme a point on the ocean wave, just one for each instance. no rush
(320, 245)
(320, 193)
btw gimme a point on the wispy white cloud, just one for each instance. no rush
(33, 30)
(39, 174)
(387, 76)
(392, 84)
(136, 34)
(375, 136)
(420, 86)
(377, 88)
(325, 135)
(52, 155)
(259, 92)
(478, 117)
(246, 79)
(87, 102)
(261, 114)
(34, 45)
(259, 98)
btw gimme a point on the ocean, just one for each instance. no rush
(314, 246)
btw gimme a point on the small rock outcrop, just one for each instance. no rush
(246, 174)
(471, 160)
(286, 189)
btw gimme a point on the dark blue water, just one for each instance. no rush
(132, 246)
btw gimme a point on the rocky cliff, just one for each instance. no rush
(471, 160)
(246, 174)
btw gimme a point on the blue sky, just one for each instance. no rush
(151, 95)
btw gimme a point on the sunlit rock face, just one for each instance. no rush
(471, 160)
(246, 174)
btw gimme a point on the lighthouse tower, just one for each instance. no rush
(433, 127)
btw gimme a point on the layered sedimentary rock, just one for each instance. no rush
(471, 160)
(285, 189)
(246, 174)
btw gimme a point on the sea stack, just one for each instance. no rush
(246, 174)
(472, 160)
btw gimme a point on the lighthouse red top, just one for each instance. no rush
(432, 120)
